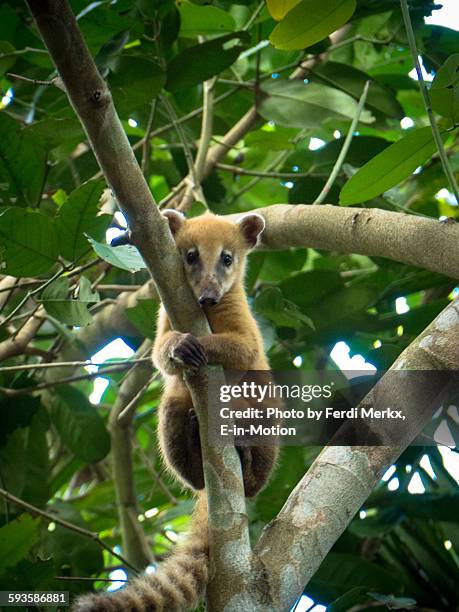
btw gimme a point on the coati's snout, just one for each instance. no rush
(214, 250)
(209, 297)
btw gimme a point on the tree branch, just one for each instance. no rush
(294, 544)
(228, 522)
(409, 239)
(134, 542)
(92, 102)
(16, 345)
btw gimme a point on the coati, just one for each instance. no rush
(214, 252)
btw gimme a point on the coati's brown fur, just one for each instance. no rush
(214, 252)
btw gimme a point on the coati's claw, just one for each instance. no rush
(189, 353)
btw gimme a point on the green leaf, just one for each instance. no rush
(344, 603)
(135, 82)
(309, 22)
(78, 216)
(16, 539)
(200, 62)
(67, 310)
(37, 490)
(13, 464)
(279, 139)
(102, 22)
(73, 553)
(295, 104)
(143, 317)
(36, 575)
(203, 20)
(340, 572)
(22, 164)
(279, 8)
(53, 132)
(28, 242)
(390, 167)
(444, 92)
(352, 81)
(271, 304)
(361, 150)
(79, 425)
(7, 58)
(25, 406)
(126, 256)
(311, 287)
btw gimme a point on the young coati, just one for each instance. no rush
(214, 252)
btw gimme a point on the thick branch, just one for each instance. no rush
(16, 345)
(417, 241)
(135, 544)
(92, 102)
(321, 506)
(230, 551)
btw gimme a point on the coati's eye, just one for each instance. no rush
(192, 257)
(227, 259)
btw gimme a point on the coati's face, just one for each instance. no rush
(214, 250)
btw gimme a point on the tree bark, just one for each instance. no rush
(409, 239)
(292, 547)
(92, 102)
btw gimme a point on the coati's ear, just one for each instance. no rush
(175, 218)
(252, 226)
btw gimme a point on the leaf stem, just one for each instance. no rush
(425, 94)
(345, 148)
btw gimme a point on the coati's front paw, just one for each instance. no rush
(188, 353)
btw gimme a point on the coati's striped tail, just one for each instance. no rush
(177, 585)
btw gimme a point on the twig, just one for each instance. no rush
(275, 162)
(191, 182)
(65, 364)
(254, 15)
(184, 118)
(22, 51)
(63, 523)
(89, 579)
(61, 381)
(425, 94)
(19, 77)
(20, 285)
(206, 128)
(270, 175)
(42, 286)
(360, 38)
(345, 148)
(146, 146)
(125, 416)
(30, 294)
(119, 287)
(56, 81)
(29, 315)
(151, 468)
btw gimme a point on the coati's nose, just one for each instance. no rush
(206, 300)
